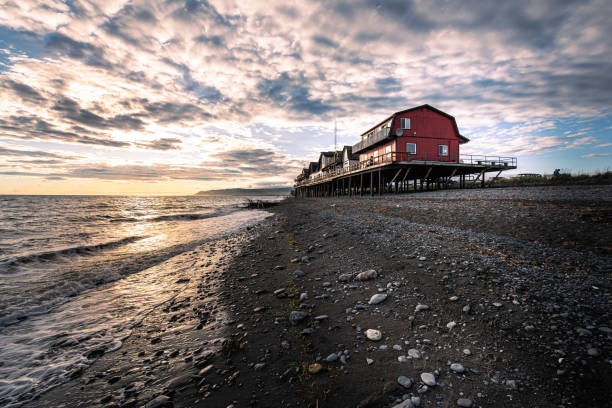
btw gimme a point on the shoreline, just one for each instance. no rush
(536, 329)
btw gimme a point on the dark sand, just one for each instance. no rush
(532, 264)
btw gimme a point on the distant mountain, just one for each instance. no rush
(274, 191)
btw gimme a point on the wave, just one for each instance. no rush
(77, 250)
(184, 217)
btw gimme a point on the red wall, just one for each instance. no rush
(428, 129)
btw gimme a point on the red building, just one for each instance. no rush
(420, 133)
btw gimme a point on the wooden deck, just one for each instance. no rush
(396, 173)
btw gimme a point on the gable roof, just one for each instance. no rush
(425, 106)
(349, 150)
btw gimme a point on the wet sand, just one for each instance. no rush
(516, 283)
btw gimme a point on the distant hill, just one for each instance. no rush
(275, 191)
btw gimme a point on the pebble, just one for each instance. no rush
(397, 347)
(377, 298)
(428, 379)
(314, 368)
(420, 307)
(404, 404)
(367, 275)
(331, 358)
(453, 298)
(321, 318)
(299, 273)
(593, 352)
(451, 325)
(404, 381)
(345, 277)
(297, 316)
(305, 259)
(466, 309)
(414, 353)
(369, 361)
(373, 334)
(458, 368)
(402, 359)
(467, 352)
(464, 402)
(260, 366)
(423, 389)
(497, 304)
(303, 296)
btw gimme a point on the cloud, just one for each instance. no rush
(89, 54)
(595, 155)
(34, 153)
(164, 143)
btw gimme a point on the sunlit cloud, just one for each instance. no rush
(239, 93)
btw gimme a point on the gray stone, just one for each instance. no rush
(593, 352)
(297, 316)
(331, 358)
(298, 273)
(377, 298)
(456, 367)
(420, 307)
(345, 277)
(414, 353)
(404, 381)
(464, 402)
(404, 404)
(428, 379)
(260, 366)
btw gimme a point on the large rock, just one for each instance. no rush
(367, 275)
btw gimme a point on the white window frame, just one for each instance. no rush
(408, 150)
(404, 123)
(444, 149)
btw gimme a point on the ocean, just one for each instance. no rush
(77, 273)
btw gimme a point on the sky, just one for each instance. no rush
(173, 97)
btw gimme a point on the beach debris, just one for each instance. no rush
(428, 379)
(457, 367)
(297, 316)
(404, 381)
(373, 334)
(367, 275)
(377, 298)
(314, 368)
(421, 307)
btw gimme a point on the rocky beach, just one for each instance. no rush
(471, 298)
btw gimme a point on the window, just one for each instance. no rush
(411, 148)
(442, 150)
(387, 149)
(405, 123)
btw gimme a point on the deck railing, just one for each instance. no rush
(379, 134)
(476, 160)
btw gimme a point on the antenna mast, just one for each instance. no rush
(335, 135)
